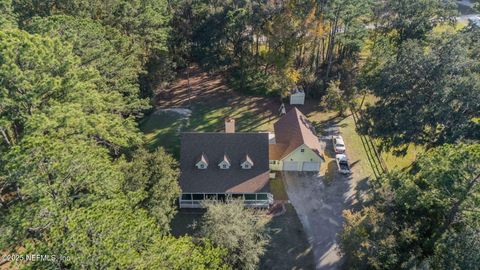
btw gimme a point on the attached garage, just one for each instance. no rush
(311, 166)
(290, 166)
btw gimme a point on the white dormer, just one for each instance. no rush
(202, 162)
(247, 163)
(224, 163)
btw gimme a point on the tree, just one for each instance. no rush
(111, 234)
(334, 98)
(7, 16)
(429, 95)
(145, 20)
(411, 19)
(239, 230)
(114, 55)
(153, 177)
(45, 79)
(64, 188)
(458, 250)
(413, 215)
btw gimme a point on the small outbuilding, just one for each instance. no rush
(297, 96)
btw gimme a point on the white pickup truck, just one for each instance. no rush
(342, 164)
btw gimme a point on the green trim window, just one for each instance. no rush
(262, 196)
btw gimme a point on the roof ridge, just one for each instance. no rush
(300, 114)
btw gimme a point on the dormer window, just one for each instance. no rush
(224, 163)
(202, 162)
(247, 163)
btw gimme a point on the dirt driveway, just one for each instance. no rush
(319, 203)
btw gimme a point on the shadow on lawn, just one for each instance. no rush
(288, 247)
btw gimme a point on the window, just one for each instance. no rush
(186, 196)
(302, 150)
(198, 197)
(262, 196)
(224, 166)
(272, 162)
(245, 166)
(249, 197)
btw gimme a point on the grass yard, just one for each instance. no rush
(278, 189)
(394, 161)
(209, 100)
(161, 129)
(355, 149)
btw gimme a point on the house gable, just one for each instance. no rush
(291, 132)
(202, 163)
(247, 163)
(303, 153)
(225, 163)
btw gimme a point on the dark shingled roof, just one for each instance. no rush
(214, 146)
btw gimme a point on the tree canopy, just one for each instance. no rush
(66, 188)
(239, 230)
(115, 56)
(429, 94)
(414, 216)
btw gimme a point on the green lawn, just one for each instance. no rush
(400, 161)
(163, 128)
(278, 189)
(355, 149)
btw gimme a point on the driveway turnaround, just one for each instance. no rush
(319, 204)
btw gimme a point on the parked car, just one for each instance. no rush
(342, 164)
(338, 144)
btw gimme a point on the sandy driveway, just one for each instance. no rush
(320, 205)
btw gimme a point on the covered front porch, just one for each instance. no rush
(258, 200)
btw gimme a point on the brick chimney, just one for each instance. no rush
(229, 125)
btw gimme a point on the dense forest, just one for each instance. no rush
(76, 76)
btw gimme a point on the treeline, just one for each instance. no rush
(267, 47)
(426, 87)
(75, 179)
